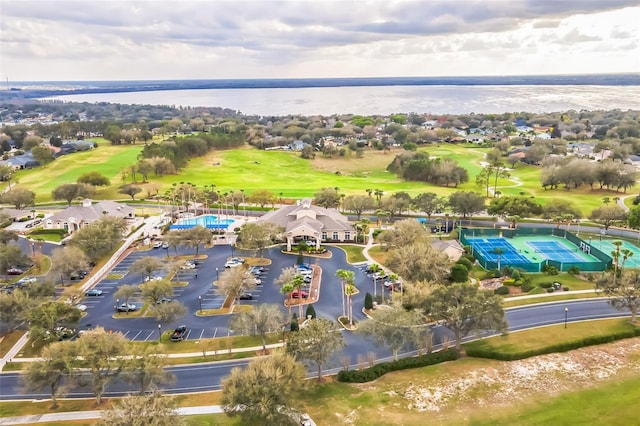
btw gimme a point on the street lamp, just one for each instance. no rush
(200, 300)
(232, 247)
(217, 274)
(159, 332)
(566, 314)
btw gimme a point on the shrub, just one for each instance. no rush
(294, 323)
(459, 273)
(509, 281)
(550, 290)
(574, 270)
(377, 232)
(482, 349)
(501, 290)
(311, 311)
(526, 287)
(546, 284)
(466, 262)
(518, 283)
(515, 274)
(368, 301)
(565, 288)
(378, 370)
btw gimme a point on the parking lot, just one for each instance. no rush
(200, 293)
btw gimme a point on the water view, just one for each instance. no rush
(384, 100)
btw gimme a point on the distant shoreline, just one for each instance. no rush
(29, 90)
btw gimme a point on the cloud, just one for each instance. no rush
(225, 38)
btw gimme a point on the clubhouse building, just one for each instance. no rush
(311, 223)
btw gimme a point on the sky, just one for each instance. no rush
(55, 40)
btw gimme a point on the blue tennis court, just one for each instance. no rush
(486, 248)
(555, 251)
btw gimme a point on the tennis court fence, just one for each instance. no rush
(603, 262)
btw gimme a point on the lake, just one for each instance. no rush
(384, 100)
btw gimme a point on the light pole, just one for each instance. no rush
(117, 304)
(566, 314)
(217, 274)
(159, 332)
(200, 301)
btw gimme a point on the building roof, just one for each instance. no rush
(315, 217)
(89, 211)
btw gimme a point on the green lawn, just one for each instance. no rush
(544, 337)
(287, 173)
(609, 404)
(106, 159)
(354, 252)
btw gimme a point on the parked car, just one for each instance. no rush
(256, 270)
(127, 307)
(307, 279)
(257, 281)
(297, 294)
(179, 333)
(165, 245)
(152, 278)
(304, 266)
(246, 296)
(15, 271)
(188, 265)
(82, 307)
(237, 259)
(78, 275)
(163, 300)
(232, 264)
(26, 280)
(157, 244)
(305, 273)
(93, 292)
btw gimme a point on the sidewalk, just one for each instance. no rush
(192, 354)
(92, 415)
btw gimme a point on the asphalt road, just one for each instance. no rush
(207, 377)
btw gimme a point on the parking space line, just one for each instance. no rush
(188, 334)
(147, 338)
(134, 337)
(215, 332)
(201, 333)
(125, 334)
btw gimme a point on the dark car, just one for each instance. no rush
(93, 292)
(179, 333)
(15, 271)
(246, 296)
(163, 300)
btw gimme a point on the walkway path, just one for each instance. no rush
(92, 415)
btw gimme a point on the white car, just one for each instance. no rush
(152, 278)
(232, 264)
(82, 307)
(157, 244)
(188, 265)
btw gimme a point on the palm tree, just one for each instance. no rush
(343, 275)
(616, 256)
(626, 253)
(287, 289)
(349, 290)
(298, 283)
(499, 252)
(375, 268)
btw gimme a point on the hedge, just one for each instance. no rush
(480, 350)
(379, 370)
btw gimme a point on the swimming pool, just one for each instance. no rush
(209, 221)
